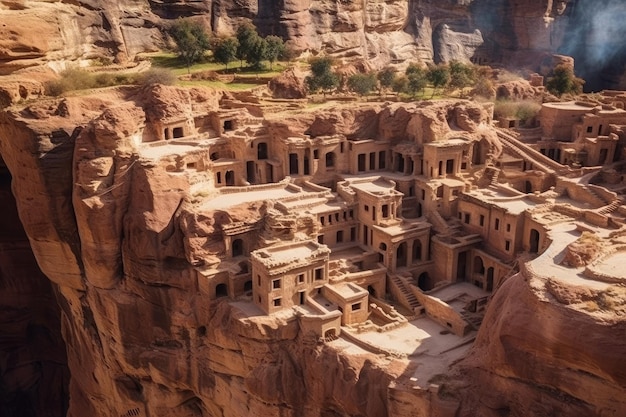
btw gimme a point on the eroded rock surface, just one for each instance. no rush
(138, 229)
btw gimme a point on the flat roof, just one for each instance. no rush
(514, 205)
(159, 151)
(348, 291)
(299, 250)
(224, 201)
(375, 187)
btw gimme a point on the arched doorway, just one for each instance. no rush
(230, 178)
(330, 334)
(237, 247)
(221, 291)
(262, 150)
(534, 241)
(424, 282)
(330, 159)
(401, 255)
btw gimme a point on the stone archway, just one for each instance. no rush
(237, 247)
(221, 290)
(401, 255)
(424, 282)
(417, 250)
(534, 241)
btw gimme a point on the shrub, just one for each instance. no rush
(322, 77)
(564, 81)
(400, 84)
(70, 80)
(525, 111)
(362, 84)
(156, 76)
(386, 77)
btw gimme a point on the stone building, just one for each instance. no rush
(347, 226)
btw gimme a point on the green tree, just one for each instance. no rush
(322, 77)
(275, 48)
(439, 77)
(191, 41)
(563, 81)
(226, 51)
(400, 84)
(416, 79)
(386, 77)
(461, 75)
(362, 84)
(247, 37)
(413, 68)
(257, 53)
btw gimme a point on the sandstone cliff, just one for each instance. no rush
(537, 356)
(116, 233)
(486, 31)
(141, 336)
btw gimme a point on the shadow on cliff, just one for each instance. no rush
(33, 364)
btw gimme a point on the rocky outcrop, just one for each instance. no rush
(485, 31)
(289, 84)
(116, 233)
(528, 360)
(143, 339)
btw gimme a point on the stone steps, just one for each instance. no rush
(611, 207)
(408, 299)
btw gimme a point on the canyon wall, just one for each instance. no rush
(142, 336)
(34, 375)
(113, 231)
(486, 31)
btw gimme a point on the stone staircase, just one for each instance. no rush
(599, 201)
(521, 150)
(440, 225)
(611, 207)
(405, 295)
(492, 173)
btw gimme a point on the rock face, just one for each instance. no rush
(530, 346)
(289, 84)
(34, 374)
(132, 317)
(115, 232)
(515, 33)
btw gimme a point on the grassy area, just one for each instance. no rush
(219, 85)
(170, 61)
